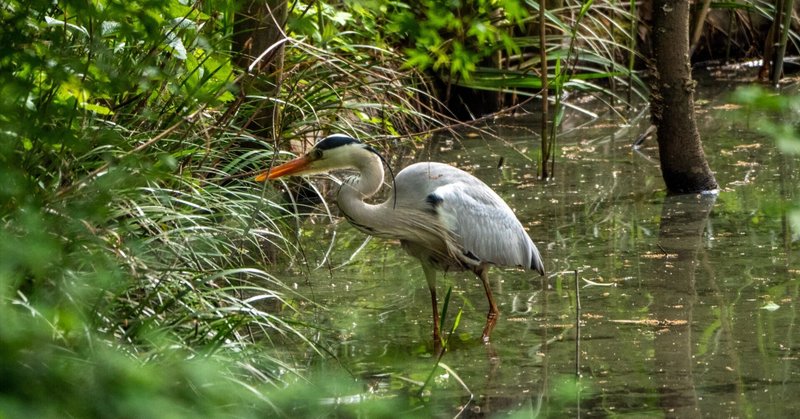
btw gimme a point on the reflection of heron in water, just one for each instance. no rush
(443, 216)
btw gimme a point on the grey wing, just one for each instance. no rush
(485, 226)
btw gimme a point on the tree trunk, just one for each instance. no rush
(258, 26)
(683, 163)
(255, 31)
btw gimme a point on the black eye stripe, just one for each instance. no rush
(335, 140)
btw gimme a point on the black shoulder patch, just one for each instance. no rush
(335, 140)
(472, 256)
(434, 200)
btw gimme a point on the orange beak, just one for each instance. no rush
(289, 168)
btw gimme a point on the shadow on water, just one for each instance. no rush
(689, 303)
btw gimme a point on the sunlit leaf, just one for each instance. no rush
(770, 306)
(176, 46)
(98, 109)
(55, 22)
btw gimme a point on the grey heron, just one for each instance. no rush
(443, 216)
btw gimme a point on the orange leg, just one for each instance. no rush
(494, 313)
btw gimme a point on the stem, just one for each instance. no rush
(545, 117)
(786, 19)
(632, 48)
(698, 26)
(577, 326)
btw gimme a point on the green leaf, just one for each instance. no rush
(98, 109)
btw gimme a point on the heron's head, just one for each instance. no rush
(336, 151)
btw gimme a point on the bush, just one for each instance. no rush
(129, 259)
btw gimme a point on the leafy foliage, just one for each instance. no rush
(784, 107)
(785, 134)
(456, 36)
(494, 45)
(134, 252)
(126, 248)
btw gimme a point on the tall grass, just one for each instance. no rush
(357, 89)
(136, 255)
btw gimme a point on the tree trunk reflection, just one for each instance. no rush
(672, 279)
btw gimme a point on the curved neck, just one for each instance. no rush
(358, 188)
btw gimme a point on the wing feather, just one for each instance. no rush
(485, 226)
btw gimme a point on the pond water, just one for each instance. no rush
(688, 305)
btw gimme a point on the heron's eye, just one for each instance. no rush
(315, 154)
